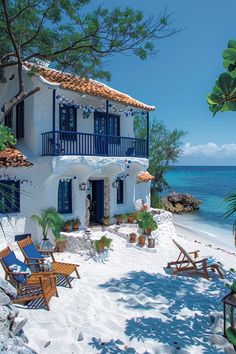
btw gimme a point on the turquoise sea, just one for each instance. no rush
(211, 185)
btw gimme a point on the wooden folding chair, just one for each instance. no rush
(194, 265)
(41, 285)
(34, 255)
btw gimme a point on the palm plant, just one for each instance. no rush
(49, 219)
(231, 208)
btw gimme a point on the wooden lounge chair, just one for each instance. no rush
(34, 255)
(194, 265)
(41, 285)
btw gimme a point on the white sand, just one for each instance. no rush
(131, 305)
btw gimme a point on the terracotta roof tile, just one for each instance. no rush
(144, 176)
(89, 87)
(11, 157)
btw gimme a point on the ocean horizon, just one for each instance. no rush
(210, 184)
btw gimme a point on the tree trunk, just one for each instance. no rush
(21, 96)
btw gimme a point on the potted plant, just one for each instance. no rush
(67, 225)
(151, 242)
(102, 247)
(120, 218)
(130, 218)
(49, 219)
(146, 222)
(106, 221)
(132, 237)
(142, 240)
(75, 224)
(60, 244)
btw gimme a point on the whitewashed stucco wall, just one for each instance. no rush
(42, 187)
(43, 177)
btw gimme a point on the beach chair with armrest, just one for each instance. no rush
(36, 256)
(190, 262)
(41, 285)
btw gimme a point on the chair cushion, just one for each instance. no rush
(32, 251)
(14, 264)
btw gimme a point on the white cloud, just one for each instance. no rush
(210, 150)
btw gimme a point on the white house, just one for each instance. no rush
(78, 136)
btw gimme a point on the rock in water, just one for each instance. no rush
(80, 337)
(180, 203)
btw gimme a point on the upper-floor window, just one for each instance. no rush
(20, 124)
(120, 192)
(9, 119)
(9, 196)
(102, 126)
(67, 122)
(65, 197)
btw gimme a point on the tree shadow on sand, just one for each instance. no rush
(111, 347)
(182, 306)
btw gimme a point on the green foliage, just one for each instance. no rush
(233, 287)
(49, 219)
(156, 201)
(223, 96)
(75, 37)
(120, 216)
(146, 220)
(232, 270)
(6, 137)
(68, 222)
(231, 208)
(75, 221)
(164, 149)
(103, 243)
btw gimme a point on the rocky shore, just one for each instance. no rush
(12, 338)
(180, 203)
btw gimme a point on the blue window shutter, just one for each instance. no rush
(120, 192)
(65, 197)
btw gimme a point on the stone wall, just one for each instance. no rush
(107, 198)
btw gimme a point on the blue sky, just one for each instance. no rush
(178, 79)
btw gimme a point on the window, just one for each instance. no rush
(110, 127)
(120, 192)
(68, 122)
(9, 119)
(20, 121)
(64, 197)
(9, 197)
(114, 125)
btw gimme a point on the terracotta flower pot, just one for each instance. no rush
(66, 228)
(61, 246)
(142, 240)
(132, 237)
(119, 221)
(148, 231)
(151, 243)
(76, 227)
(130, 219)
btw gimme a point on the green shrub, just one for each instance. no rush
(156, 201)
(233, 287)
(103, 243)
(146, 220)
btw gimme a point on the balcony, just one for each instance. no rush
(62, 143)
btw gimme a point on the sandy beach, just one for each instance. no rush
(131, 304)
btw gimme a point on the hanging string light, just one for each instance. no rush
(89, 109)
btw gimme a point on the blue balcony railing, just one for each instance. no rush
(72, 143)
